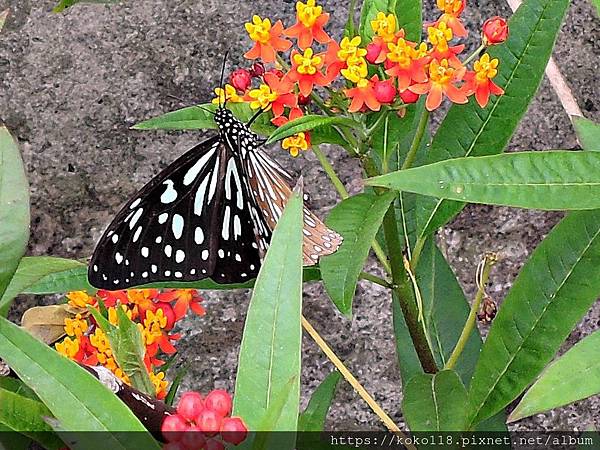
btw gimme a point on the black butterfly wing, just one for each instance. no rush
(173, 229)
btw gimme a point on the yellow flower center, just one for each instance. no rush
(75, 327)
(362, 83)
(262, 97)
(420, 51)
(307, 64)
(295, 143)
(229, 94)
(308, 13)
(450, 6)
(357, 69)
(68, 347)
(112, 314)
(400, 53)
(349, 49)
(80, 299)
(440, 36)
(153, 325)
(259, 29)
(384, 26)
(158, 380)
(441, 73)
(485, 68)
(100, 341)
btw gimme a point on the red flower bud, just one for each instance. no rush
(257, 70)
(240, 79)
(373, 52)
(495, 30)
(302, 100)
(219, 401)
(384, 91)
(190, 405)
(193, 438)
(233, 430)
(209, 421)
(173, 427)
(409, 96)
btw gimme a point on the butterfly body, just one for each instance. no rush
(210, 213)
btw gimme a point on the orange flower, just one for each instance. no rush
(267, 39)
(439, 36)
(184, 299)
(452, 9)
(310, 20)
(111, 298)
(363, 95)
(80, 299)
(442, 76)
(407, 62)
(480, 81)
(143, 298)
(160, 385)
(295, 113)
(306, 71)
(294, 144)
(274, 94)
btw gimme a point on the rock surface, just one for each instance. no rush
(73, 84)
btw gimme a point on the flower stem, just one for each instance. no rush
(474, 54)
(375, 279)
(389, 423)
(416, 142)
(483, 273)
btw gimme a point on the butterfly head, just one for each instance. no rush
(234, 129)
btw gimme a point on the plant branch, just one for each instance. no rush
(389, 423)
(474, 54)
(416, 142)
(406, 294)
(483, 273)
(375, 279)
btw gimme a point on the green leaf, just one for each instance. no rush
(310, 122)
(469, 130)
(3, 17)
(369, 11)
(553, 291)
(26, 416)
(37, 269)
(76, 280)
(128, 348)
(409, 15)
(596, 4)
(270, 349)
(588, 133)
(14, 209)
(574, 376)
(198, 118)
(18, 387)
(357, 219)
(552, 180)
(74, 397)
(313, 417)
(435, 402)
(64, 4)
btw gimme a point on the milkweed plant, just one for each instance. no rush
(104, 360)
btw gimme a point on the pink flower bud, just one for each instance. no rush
(495, 30)
(409, 96)
(373, 52)
(384, 90)
(240, 79)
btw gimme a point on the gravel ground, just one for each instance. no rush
(73, 84)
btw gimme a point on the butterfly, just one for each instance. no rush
(211, 213)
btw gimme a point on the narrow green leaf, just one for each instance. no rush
(14, 209)
(469, 130)
(128, 348)
(77, 400)
(588, 133)
(26, 416)
(13, 441)
(310, 122)
(313, 417)
(435, 402)
(33, 270)
(357, 219)
(552, 180)
(553, 291)
(270, 349)
(64, 4)
(18, 387)
(198, 117)
(368, 13)
(76, 280)
(409, 15)
(574, 376)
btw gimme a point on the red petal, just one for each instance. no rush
(306, 85)
(267, 54)
(254, 52)
(434, 99)
(305, 38)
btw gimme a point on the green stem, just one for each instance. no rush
(416, 142)
(474, 54)
(488, 262)
(350, 23)
(405, 293)
(416, 253)
(329, 170)
(375, 279)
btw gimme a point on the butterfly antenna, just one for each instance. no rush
(221, 85)
(255, 116)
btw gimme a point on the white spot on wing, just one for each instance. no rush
(204, 255)
(168, 251)
(191, 174)
(163, 218)
(177, 226)
(225, 229)
(170, 193)
(179, 256)
(145, 252)
(198, 236)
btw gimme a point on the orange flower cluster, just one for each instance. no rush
(388, 70)
(155, 313)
